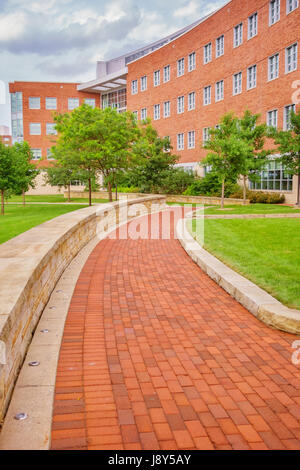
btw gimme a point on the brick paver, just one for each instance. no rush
(155, 355)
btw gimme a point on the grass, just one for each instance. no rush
(18, 219)
(57, 198)
(252, 209)
(267, 252)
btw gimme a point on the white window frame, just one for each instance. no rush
(49, 154)
(238, 35)
(191, 140)
(207, 53)
(251, 33)
(71, 107)
(291, 3)
(143, 114)
(50, 130)
(36, 99)
(180, 67)
(220, 46)
(156, 78)
(250, 85)
(88, 101)
(47, 106)
(180, 104)
(156, 112)
(167, 73)
(191, 101)
(237, 90)
(273, 63)
(167, 109)
(295, 63)
(205, 134)
(274, 12)
(35, 124)
(207, 95)
(219, 91)
(144, 83)
(134, 87)
(34, 156)
(192, 62)
(286, 119)
(270, 118)
(180, 141)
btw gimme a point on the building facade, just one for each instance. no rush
(243, 56)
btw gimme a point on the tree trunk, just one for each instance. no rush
(223, 193)
(90, 192)
(23, 197)
(298, 196)
(109, 191)
(116, 192)
(2, 202)
(244, 190)
(69, 192)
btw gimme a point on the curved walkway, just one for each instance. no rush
(155, 355)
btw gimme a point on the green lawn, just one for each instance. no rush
(252, 209)
(266, 251)
(54, 198)
(18, 219)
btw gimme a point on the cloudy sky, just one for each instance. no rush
(61, 40)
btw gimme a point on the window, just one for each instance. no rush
(156, 112)
(51, 103)
(35, 128)
(36, 153)
(156, 78)
(166, 73)
(291, 58)
(73, 103)
(207, 50)
(135, 115)
(220, 90)
(50, 129)
(192, 61)
(220, 46)
(251, 77)
(238, 35)
(274, 14)
(291, 5)
(180, 67)
(272, 118)
(180, 141)
(287, 116)
(180, 104)
(34, 103)
(206, 134)
(274, 67)
(134, 87)
(191, 140)
(191, 101)
(49, 155)
(167, 109)
(237, 83)
(144, 83)
(16, 102)
(273, 177)
(252, 26)
(207, 95)
(143, 114)
(90, 102)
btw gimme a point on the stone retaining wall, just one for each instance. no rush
(32, 263)
(169, 198)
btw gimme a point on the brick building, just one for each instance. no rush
(243, 56)
(6, 139)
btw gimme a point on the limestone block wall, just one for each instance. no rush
(32, 263)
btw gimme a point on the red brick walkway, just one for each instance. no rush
(155, 355)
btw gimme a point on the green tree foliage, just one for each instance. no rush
(62, 176)
(96, 141)
(26, 172)
(211, 185)
(288, 144)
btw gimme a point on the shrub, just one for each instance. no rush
(175, 181)
(124, 189)
(259, 197)
(210, 185)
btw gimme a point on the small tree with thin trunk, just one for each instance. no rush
(26, 172)
(61, 176)
(254, 136)
(288, 144)
(7, 172)
(226, 150)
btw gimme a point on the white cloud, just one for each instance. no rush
(187, 10)
(12, 25)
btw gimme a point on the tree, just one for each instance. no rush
(26, 172)
(227, 150)
(254, 136)
(96, 141)
(62, 176)
(7, 172)
(288, 143)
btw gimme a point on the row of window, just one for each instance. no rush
(273, 177)
(35, 128)
(37, 154)
(219, 47)
(34, 102)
